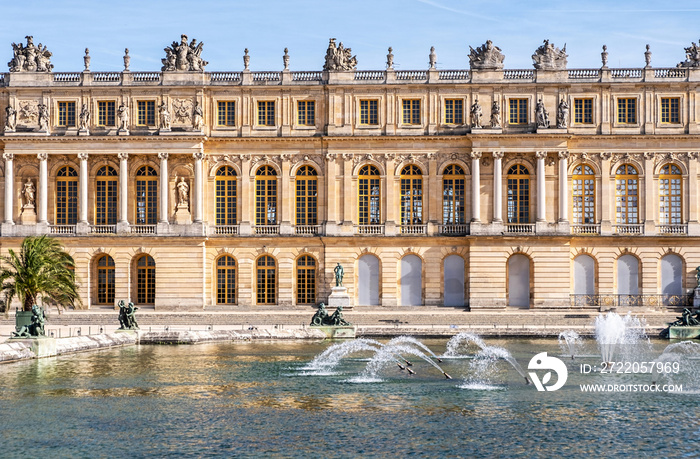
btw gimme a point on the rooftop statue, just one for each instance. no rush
(30, 58)
(183, 57)
(548, 57)
(692, 56)
(339, 58)
(486, 56)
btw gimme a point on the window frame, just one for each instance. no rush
(678, 114)
(228, 113)
(411, 192)
(670, 217)
(581, 208)
(145, 280)
(230, 285)
(266, 114)
(456, 120)
(369, 196)
(583, 100)
(66, 117)
(108, 117)
(148, 208)
(309, 115)
(107, 202)
(67, 207)
(306, 205)
(229, 211)
(523, 115)
(626, 177)
(522, 197)
(306, 288)
(412, 112)
(368, 101)
(626, 112)
(450, 203)
(148, 120)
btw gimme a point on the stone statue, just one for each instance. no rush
(339, 58)
(30, 58)
(10, 119)
(28, 193)
(86, 60)
(43, 117)
(547, 57)
(164, 116)
(123, 111)
(285, 59)
(197, 117)
(246, 59)
(36, 328)
(486, 57)
(604, 56)
(183, 57)
(476, 114)
(495, 115)
(127, 319)
(697, 277)
(390, 59)
(692, 56)
(432, 57)
(562, 114)
(322, 318)
(542, 117)
(339, 272)
(647, 57)
(127, 59)
(183, 192)
(84, 118)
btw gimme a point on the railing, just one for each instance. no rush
(64, 77)
(225, 76)
(520, 228)
(411, 75)
(266, 76)
(670, 73)
(266, 230)
(307, 76)
(454, 229)
(453, 75)
(307, 230)
(143, 229)
(672, 229)
(111, 77)
(151, 77)
(615, 300)
(413, 229)
(634, 228)
(369, 229)
(62, 229)
(626, 73)
(585, 228)
(103, 229)
(575, 74)
(518, 74)
(226, 230)
(369, 75)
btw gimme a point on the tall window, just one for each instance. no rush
(105, 113)
(518, 194)
(411, 195)
(453, 195)
(66, 114)
(369, 196)
(517, 111)
(670, 110)
(411, 111)
(627, 110)
(145, 280)
(66, 196)
(454, 113)
(226, 114)
(266, 196)
(670, 207)
(266, 280)
(306, 196)
(369, 112)
(106, 192)
(626, 195)
(226, 196)
(266, 113)
(306, 113)
(306, 280)
(146, 112)
(226, 280)
(146, 196)
(583, 191)
(583, 111)
(105, 280)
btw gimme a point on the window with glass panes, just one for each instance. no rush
(266, 113)
(266, 280)
(226, 191)
(226, 280)
(226, 113)
(66, 196)
(627, 110)
(411, 183)
(306, 280)
(626, 195)
(145, 280)
(518, 187)
(306, 196)
(411, 111)
(266, 196)
(670, 198)
(517, 111)
(453, 195)
(105, 280)
(583, 111)
(369, 195)
(583, 195)
(146, 196)
(453, 111)
(306, 112)
(369, 112)
(66, 114)
(105, 113)
(146, 112)
(670, 110)
(106, 195)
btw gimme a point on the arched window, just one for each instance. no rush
(670, 189)
(584, 275)
(266, 196)
(583, 191)
(626, 195)
(369, 196)
(306, 196)
(145, 280)
(627, 275)
(411, 195)
(266, 280)
(368, 280)
(411, 281)
(306, 280)
(226, 280)
(105, 280)
(519, 281)
(225, 183)
(518, 194)
(66, 196)
(671, 276)
(453, 269)
(106, 192)
(146, 196)
(453, 195)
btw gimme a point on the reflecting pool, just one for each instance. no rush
(271, 399)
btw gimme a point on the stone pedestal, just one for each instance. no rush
(83, 132)
(336, 332)
(28, 216)
(123, 132)
(164, 131)
(339, 297)
(684, 332)
(696, 298)
(183, 216)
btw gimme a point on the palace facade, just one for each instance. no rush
(489, 187)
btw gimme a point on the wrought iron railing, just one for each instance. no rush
(621, 300)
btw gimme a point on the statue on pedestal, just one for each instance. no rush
(322, 318)
(36, 328)
(541, 115)
(476, 114)
(28, 194)
(197, 117)
(123, 118)
(339, 272)
(127, 319)
(164, 116)
(548, 57)
(562, 114)
(183, 57)
(43, 117)
(495, 115)
(84, 118)
(10, 119)
(339, 58)
(183, 192)
(486, 56)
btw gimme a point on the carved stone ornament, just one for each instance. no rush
(548, 57)
(692, 56)
(605, 155)
(28, 111)
(30, 58)
(183, 57)
(486, 57)
(339, 58)
(182, 110)
(692, 155)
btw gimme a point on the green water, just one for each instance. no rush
(255, 399)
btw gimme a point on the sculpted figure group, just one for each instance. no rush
(339, 58)
(548, 57)
(30, 58)
(127, 319)
(36, 328)
(184, 57)
(486, 56)
(322, 318)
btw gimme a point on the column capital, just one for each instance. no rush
(564, 154)
(8, 156)
(198, 155)
(475, 155)
(541, 155)
(497, 154)
(649, 155)
(83, 156)
(42, 156)
(605, 155)
(163, 155)
(123, 156)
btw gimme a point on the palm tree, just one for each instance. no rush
(42, 269)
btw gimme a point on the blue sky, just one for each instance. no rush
(411, 27)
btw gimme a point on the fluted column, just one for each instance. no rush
(497, 186)
(163, 187)
(43, 186)
(197, 211)
(476, 186)
(123, 187)
(83, 157)
(541, 155)
(563, 181)
(9, 186)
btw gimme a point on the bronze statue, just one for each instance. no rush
(338, 275)
(322, 318)
(36, 328)
(127, 321)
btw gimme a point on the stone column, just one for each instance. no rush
(563, 182)
(605, 198)
(541, 216)
(9, 187)
(43, 187)
(497, 187)
(197, 201)
(163, 156)
(83, 157)
(476, 186)
(123, 188)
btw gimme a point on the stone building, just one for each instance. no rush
(489, 187)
